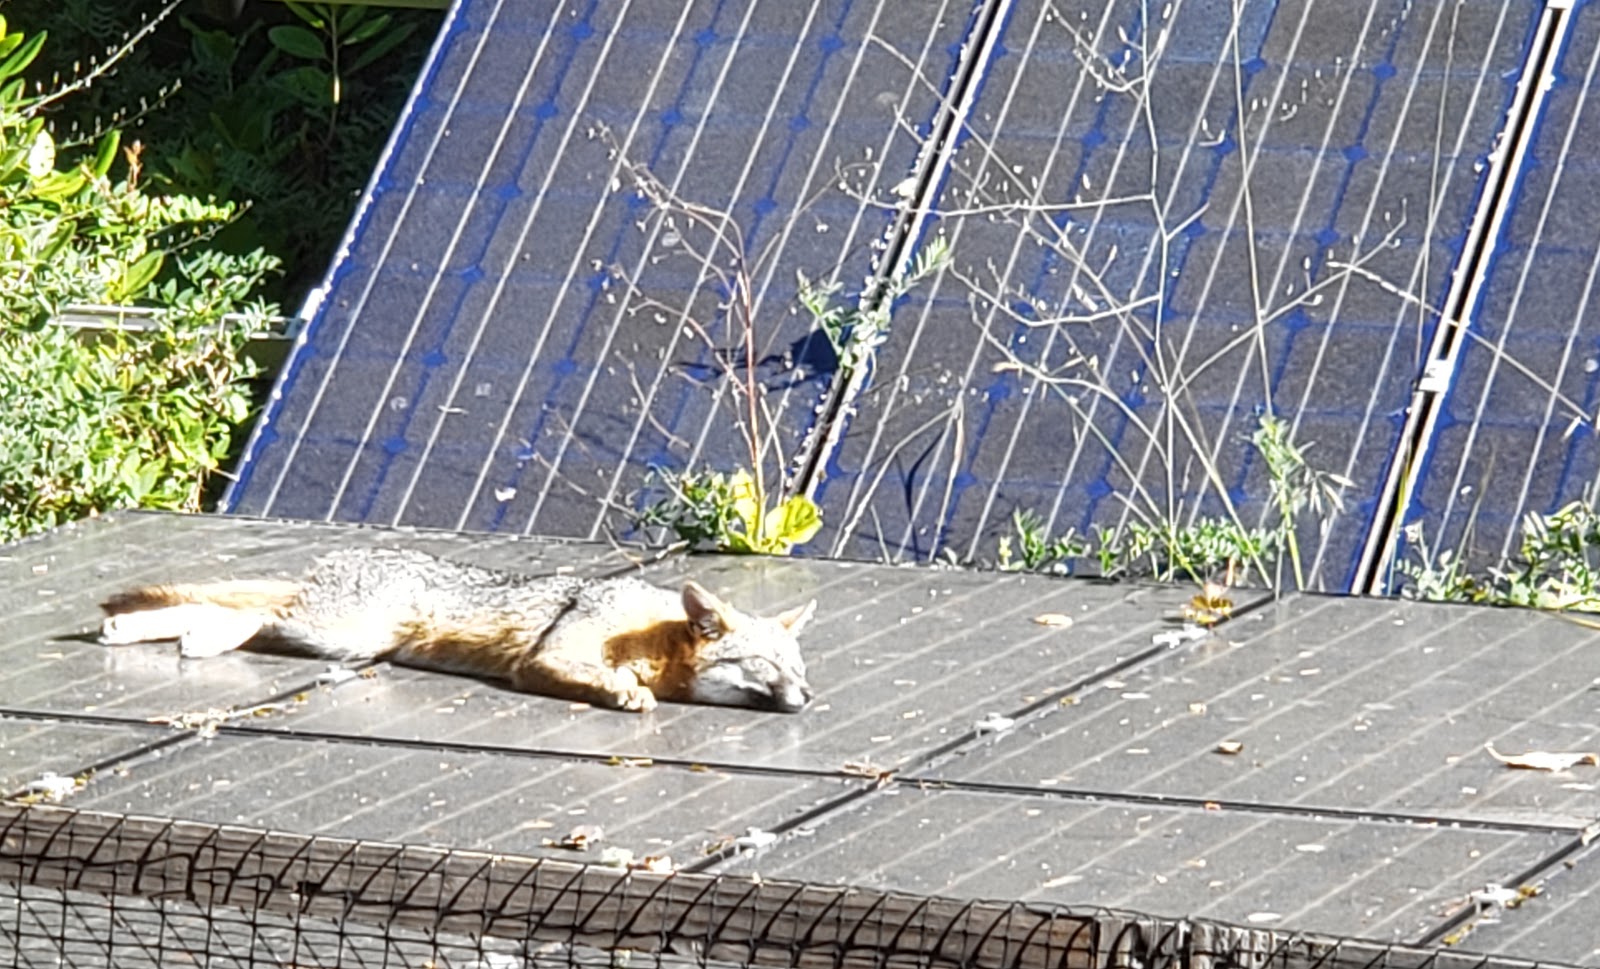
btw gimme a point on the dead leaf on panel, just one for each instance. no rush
(1544, 760)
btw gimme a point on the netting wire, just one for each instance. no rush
(90, 889)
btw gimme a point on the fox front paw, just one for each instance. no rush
(639, 699)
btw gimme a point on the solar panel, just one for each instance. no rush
(1517, 430)
(1162, 230)
(510, 341)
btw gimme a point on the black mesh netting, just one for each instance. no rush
(81, 888)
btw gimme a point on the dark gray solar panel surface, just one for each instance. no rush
(1373, 707)
(1075, 765)
(1195, 279)
(1518, 432)
(476, 366)
(1341, 876)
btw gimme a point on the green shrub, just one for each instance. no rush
(130, 418)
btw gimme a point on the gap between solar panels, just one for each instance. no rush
(909, 229)
(145, 891)
(1408, 462)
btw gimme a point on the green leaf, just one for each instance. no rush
(106, 153)
(137, 275)
(59, 186)
(366, 31)
(381, 46)
(349, 17)
(22, 56)
(297, 41)
(310, 85)
(310, 16)
(795, 522)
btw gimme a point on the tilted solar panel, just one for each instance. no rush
(515, 336)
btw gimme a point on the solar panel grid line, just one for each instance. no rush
(1556, 908)
(1389, 924)
(302, 343)
(1263, 312)
(1086, 444)
(859, 499)
(657, 74)
(904, 236)
(812, 449)
(50, 631)
(1416, 780)
(1222, 438)
(1089, 853)
(440, 270)
(323, 805)
(1507, 325)
(1084, 79)
(1241, 203)
(1408, 474)
(456, 382)
(760, 296)
(1418, 276)
(1255, 832)
(315, 301)
(1406, 464)
(953, 424)
(913, 662)
(42, 585)
(1420, 267)
(1263, 315)
(1083, 442)
(646, 251)
(703, 437)
(1469, 918)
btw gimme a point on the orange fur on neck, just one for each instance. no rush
(661, 655)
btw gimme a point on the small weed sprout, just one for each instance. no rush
(1035, 550)
(1294, 486)
(857, 333)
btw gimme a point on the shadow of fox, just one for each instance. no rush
(620, 642)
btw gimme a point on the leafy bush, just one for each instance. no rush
(283, 110)
(133, 418)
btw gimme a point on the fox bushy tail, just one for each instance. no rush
(268, 595)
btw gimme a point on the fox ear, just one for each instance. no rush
(795, 619)
(705, 611)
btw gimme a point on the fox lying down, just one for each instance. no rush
(619, 643)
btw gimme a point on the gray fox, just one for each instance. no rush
(620, 643)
